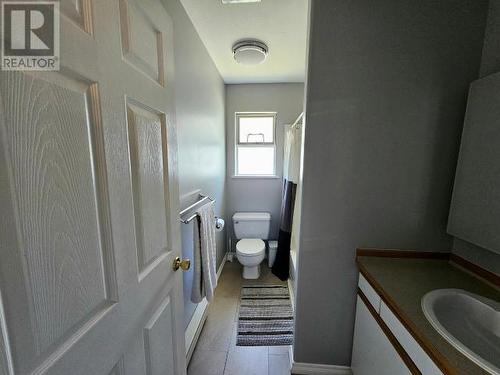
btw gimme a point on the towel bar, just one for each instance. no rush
(204, 199)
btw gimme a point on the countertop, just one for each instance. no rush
(404, 281)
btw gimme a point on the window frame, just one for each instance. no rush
(238, 144)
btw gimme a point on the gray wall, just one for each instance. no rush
(490, 64)
(200, 102)
(260, 194)
(386, 92)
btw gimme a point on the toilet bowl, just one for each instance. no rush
(250, 253)
(251, 228)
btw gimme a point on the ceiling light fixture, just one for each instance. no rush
(250, 52)
(239, 1)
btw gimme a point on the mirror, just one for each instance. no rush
(475, 206)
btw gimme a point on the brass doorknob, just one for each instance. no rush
(184, 264)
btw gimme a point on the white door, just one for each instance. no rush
(89, 222)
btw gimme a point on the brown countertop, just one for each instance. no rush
(402, 282)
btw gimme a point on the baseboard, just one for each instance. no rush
(290, 355)
(293, 276)
(195, 326)
(293, 262)
(292, 292)
(318, 369)
(221, 267)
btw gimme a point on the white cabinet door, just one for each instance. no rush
(409, 344)
(372, 352)
(89, 201)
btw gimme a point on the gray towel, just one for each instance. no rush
(205, 253)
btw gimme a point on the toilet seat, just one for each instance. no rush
(250, 247)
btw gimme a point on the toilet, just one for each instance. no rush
(251, 228)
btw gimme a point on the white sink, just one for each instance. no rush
(469, 322)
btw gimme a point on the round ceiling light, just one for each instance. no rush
(250, 52)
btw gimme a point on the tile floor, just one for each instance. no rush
(216, 352)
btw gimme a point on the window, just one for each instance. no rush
(255, 144)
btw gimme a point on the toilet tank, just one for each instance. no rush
(251, 225)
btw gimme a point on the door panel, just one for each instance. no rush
(50, 136)
(89, 201)
(79, 11)
(118, 369)
(142, 42)
(156, 330)
(5, 358)
(147, 139)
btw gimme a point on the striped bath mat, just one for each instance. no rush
(265, 317)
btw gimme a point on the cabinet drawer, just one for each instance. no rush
(424, 363)
(369, 292)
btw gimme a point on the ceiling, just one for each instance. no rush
(281, 24)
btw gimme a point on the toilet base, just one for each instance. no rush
(251, 272)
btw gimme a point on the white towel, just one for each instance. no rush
(204, 277)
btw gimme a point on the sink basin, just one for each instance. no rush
(469, 322)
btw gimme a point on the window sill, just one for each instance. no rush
(266, 177)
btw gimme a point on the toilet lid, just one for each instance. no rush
(250, 246)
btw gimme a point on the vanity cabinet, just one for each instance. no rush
(372, 352)
(381, 344)
(408, 343)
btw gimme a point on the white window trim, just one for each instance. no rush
(256, 176)
(237, 144)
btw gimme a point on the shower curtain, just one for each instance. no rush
(291, 170)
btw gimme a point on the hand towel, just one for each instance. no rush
(205, 253)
